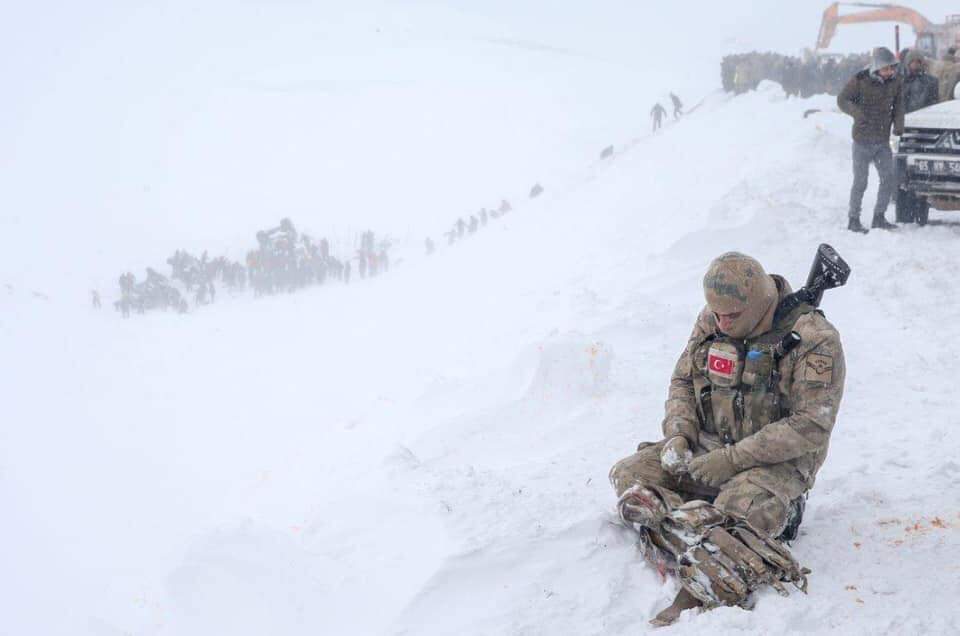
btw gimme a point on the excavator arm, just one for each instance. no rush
(874, 13)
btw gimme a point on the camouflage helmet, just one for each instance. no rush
(737, 284)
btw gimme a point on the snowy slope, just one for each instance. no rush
(426, 453)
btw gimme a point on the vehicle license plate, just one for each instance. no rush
(938, 166)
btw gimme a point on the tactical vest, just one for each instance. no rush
(737, 382)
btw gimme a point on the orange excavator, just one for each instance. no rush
(932, 39)
(816, 72)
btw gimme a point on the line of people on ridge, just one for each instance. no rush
(463, 228)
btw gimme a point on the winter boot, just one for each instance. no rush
(880, 223)
(855, 226)
(641, 506)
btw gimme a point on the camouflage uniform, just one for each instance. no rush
(777, 439)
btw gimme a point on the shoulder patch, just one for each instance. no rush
(818, 368)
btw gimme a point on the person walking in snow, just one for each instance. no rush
(95, 298)
(677, 106)
(752, 402)
(874, 98)
(658, 112)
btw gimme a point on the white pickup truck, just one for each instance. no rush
(927, 162)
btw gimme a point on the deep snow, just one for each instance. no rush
(426, 453)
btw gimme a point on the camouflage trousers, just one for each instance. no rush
(761, 496)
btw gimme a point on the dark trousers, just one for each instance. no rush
(880, 155)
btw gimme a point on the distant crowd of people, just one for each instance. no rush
(800, 77)
(283, 261)
(822, 74)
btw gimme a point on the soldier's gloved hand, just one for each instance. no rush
(714, 468)
(676, 455)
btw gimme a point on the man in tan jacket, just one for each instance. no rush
(752, 402)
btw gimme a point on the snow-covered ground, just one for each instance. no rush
(426, 453)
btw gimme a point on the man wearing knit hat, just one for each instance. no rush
(751, 405)
(874, 98)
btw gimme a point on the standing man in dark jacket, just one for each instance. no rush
(874, 98)
(920, 89)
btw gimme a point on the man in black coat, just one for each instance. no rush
(920, 89)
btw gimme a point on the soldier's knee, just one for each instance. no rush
(622, 475)
(641, 468)
(759, 507)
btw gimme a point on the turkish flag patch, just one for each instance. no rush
(721, 364)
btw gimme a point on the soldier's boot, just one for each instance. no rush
(668, 616)
(855, 226)
(641, 506)
(794, 518)
(881, 223)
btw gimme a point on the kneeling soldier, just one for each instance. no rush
(751, 405)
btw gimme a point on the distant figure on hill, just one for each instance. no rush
(658, 112)
(430, 246)
(536, 191)
(677, 106)
(95, 298)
